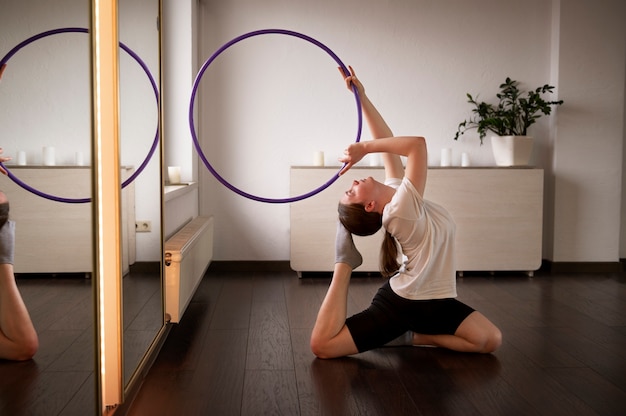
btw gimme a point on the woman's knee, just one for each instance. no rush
(492, 340)
(317, 347)
(321, 346)
(22, 351)
(340, 345)
(481, 332)
(495, 340)
(29, 348)
(323, 349)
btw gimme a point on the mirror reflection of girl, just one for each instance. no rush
(18, 338)
(416, 305)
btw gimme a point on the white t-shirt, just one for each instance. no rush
(425, 232)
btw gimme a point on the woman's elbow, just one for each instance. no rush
(420, 142)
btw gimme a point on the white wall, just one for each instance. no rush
(590, 130)
(179, 69)
(270, 102)
(139, 116)
(276, 99)
(45, 93)
(45, 89)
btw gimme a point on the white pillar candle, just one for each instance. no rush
(375, 159)
(21, 158)
(78, 159)
(173, 173)
(318, 158)
(465, 162)
(446, 156)
(48, 156)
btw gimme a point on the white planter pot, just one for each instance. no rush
(512, 150)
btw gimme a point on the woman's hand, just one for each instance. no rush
(352, 155)
(3, 159)
(352, 80)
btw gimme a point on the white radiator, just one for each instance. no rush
(187, 256)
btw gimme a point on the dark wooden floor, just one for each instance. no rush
(242, 348)
(60, 379)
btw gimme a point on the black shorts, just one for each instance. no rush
(390, 316)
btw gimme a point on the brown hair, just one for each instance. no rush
(4, 209)
(358, 221)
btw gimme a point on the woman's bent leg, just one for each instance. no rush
(18, 339)
(330, 337)
(475, 334)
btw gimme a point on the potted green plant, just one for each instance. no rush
(509, 120)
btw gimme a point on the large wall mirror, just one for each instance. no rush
(138, 22)
(45, 125)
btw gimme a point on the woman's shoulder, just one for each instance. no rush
(393, 182)
(406, 186)
(406, 203)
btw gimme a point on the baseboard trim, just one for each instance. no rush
(547, 266)
(146, 267)
(596, 267)
(250, 266)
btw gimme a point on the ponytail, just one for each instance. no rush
(389, 256)
(4, 212)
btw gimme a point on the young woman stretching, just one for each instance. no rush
(416, 305)
(18, 338)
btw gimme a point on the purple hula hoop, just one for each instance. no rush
(192, 122)
(141, 63)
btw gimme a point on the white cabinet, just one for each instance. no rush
(56, 237)
(498, 212)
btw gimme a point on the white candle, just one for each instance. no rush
(173, 173)
(48, 156)
(78, 159)
(318, 158)
(21, 158)
(446, 156)
(465, 162)
(374, 159)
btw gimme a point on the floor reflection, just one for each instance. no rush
(439, 381)
(143, 314)
(60, 378)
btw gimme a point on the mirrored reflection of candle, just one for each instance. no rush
(78, 159)
(21, 158)
(173, 173)
(318, 158)
(446, 156)
(48, 156)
